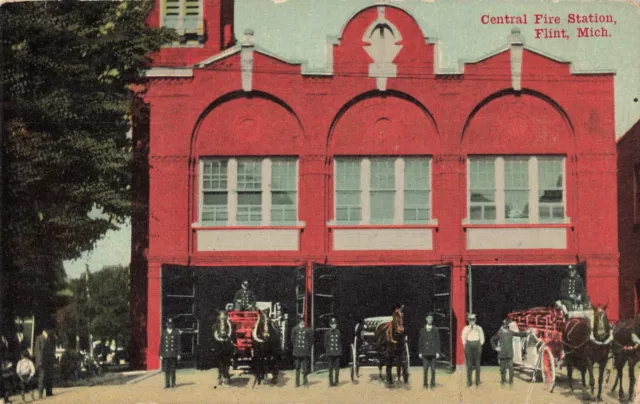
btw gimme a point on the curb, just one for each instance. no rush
(144, 376)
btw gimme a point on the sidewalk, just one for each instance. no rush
(194, 386)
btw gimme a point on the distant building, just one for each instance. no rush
(379, 181)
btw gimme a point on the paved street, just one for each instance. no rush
(198, 387)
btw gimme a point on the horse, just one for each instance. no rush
(266, 340)
(626, 349)
(223, 345)
(390, 340)
(585, 347)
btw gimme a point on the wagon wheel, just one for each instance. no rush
(355, 369)
(406, 361)
(548, 368)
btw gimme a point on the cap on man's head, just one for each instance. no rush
(471, 316)
(571, 268)
(245, 283)
(300, 318)
(169, 321)
(333, 321)
(430, 314)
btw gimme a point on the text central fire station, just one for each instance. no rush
(379, 181)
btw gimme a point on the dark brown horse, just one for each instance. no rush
(626, 349)
(391, 343)
(585, 347)
(266, 348)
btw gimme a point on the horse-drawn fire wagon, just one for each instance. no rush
(243, 322)
(541, 351)
(365, 349)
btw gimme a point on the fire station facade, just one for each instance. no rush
(379, 181)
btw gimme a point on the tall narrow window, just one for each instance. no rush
(214, 186)
(347, 182)
(550, 189)
(283, 192)
(516, 189)
(191, 15)
(382, 190)
(482, 196)
(172, 13)
(417, 186)
(249, 192)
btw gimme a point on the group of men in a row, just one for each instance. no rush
(302, 340)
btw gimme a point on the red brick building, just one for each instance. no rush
(629, 220)
(381, 181)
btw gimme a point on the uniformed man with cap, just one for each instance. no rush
(472, 340)
(572, 291)
(170, 352)
(429, 349)
(244, 299)
(302, 339)
(333, 350)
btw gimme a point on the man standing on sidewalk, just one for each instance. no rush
(429, 349)
(170, 354)
(302, 338)
(502, 342)
(333, 350)
(45, 353)
(472, 339)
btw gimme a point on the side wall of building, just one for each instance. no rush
(629, 220)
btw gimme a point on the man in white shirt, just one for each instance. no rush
(472, 339)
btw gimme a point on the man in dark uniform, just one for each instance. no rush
(333, 350)
(502, 342)
(572, 291)
(170, 354)
(302, 338)
(244, 299)
(45, 353)
(429, 349)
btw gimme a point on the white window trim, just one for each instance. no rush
(365, 192)
(232, 193)
(533, 192)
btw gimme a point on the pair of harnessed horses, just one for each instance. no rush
(265, 347)
(585, 347)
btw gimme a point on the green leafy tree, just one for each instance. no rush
(66, 73)
(108, 298)
(72, 318)
(96, 305)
